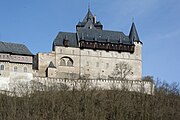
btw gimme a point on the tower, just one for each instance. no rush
(133, 35)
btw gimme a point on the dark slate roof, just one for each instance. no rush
(89, 19)
(133, 35)
(14, 48)
(89, 16)
(91, 35)
(71, 37)
(51, 65)
(103, 36)
(89, 31)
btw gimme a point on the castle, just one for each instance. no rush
(91, 52)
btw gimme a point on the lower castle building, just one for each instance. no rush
(89, 53)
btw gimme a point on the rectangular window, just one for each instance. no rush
(107, 65)
(1, 67)
(15, 69)
(87, 63)
(100, 53)
(88, 52)
(60, 50)
(97, 64)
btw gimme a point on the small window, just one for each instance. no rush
(107, 65)
(100, 53)
(60, 50)
(2, 67)
(73, 52)
(88, 52)
(15, 69)
(87, 63)
(66, 43)
(97, 64)
(62, 62)
(69, 62)
(25, 69)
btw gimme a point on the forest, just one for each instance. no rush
(85, 103)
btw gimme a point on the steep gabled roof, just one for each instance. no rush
(71, 37)
(14, 48)
(133, 35)
(51, 65)
(88, 17)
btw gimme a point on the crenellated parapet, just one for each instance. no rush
(105, 84)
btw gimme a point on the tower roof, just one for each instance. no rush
(90, 21)
(88, 17)
(133, 35)
(51, 65)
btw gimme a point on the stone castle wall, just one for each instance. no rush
(89, 63)
(131, 85)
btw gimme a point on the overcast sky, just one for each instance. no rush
(36, 23)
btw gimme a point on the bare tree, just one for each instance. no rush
(121, 71)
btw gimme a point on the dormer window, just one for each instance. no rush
(66, 43)
(90, 27)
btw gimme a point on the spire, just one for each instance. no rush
(89, 15)
(133, 35)
(88, 6)
(89, 21)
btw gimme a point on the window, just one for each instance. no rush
(2, 67)
(88, 52)
(15, 69)
(97, 64)
(69, 62)
(87, 63)
(62, 62)
(107, 65)
(122, 55)
(25, 69)
(73, 52)
(66, 61)
(100, 53)
(60, 50)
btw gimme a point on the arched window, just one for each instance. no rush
(62, 62)
(69, 62)
(25, 69)
(2, 67)
(15, 68)
(66, 61)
